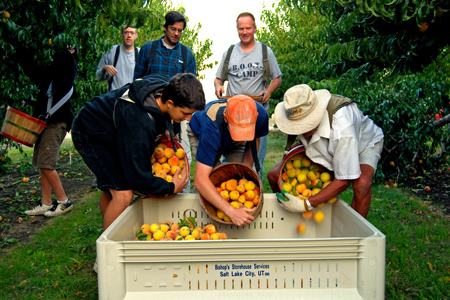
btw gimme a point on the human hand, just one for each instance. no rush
(241, 216)
(264, 96)
(110, 70)
(291, 203)
(180, 182)
(220, 90)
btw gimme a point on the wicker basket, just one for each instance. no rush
(21, 127)
(226, 172)
(164, 140)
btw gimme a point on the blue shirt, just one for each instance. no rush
(210, 140)
(166, 61)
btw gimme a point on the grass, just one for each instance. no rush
(57, 262)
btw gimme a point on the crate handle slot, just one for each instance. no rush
(190, 209)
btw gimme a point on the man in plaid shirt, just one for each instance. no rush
(166, 56)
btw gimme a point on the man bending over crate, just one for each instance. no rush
(226, 127)
(116, 133)
(337, 136)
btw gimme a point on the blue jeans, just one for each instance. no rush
(262, 153)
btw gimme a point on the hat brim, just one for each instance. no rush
(306, 124)
(242, 134)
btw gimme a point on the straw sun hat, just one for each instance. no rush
(302, 109)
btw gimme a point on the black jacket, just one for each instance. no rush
(129, 130)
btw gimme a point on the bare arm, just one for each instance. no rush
(271, 88)
(218, 87)
(332, 190)
(238, 216)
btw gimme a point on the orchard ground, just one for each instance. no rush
(16, 196)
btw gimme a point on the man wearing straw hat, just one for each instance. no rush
(349, 144)
(228, 128)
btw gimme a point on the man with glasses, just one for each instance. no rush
(117, 65)
(166, 56)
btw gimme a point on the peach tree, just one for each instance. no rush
(43, 27)
(390, 57)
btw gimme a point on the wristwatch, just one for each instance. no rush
(308, 205)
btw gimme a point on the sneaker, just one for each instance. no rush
(59, 209)
(39, 210)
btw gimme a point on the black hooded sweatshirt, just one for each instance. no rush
(121, 119)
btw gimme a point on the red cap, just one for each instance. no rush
(241, 114)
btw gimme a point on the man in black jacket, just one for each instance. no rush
(116, 133)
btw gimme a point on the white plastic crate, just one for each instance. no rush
(341, 258)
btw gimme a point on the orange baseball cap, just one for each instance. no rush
(241, 114)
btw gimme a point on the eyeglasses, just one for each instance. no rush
(129, 32)
(176, 29)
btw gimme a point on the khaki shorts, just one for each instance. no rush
(371, 156)
(47, 146)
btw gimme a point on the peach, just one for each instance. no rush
(157, 167)
(241, 189)
(284, 176)
(197, 233)
(161, 174)
(210, 228)
(317, 183)
(180, 154)
(319, 216)
(168, 152)
(181, 164)
(256, 200)
(161, 160)
(223, 185)
(301, 228)
(162, 146)
(175, 227)
(159, 152)
(306, 162)
(205, 236)
(174, 169)
(242, 181)
(185, 231)
(306, 193)
(257, 191)
(153, 159)
(250, 195)
(326, 184)
(220, 214)
(242, 198)
(288, 165)
(219, 189)
(165, 167)
(145, 226)
(297, 163)
(311, 175)
(235, 204)
(250, 185)
(231, 184)
(225, 195)
(158, 235)
(154, 227)
(224, 235)
(290, 173)
(216, 236)
(173, 161)
(248, 204)
(169, 178)
(226, 218)
(307, 214)
(325, 177)
(234, 195)
(189, 237)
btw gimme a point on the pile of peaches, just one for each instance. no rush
(303, 178)
(185, 230)
(239, 193)
(166, 161)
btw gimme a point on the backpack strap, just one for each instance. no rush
(116, 58)
(336, 102)
(152, 55)
(184, 57)
(290, 140)
(220, 121)
(136, 53)
(224, 76)
(266, 65)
